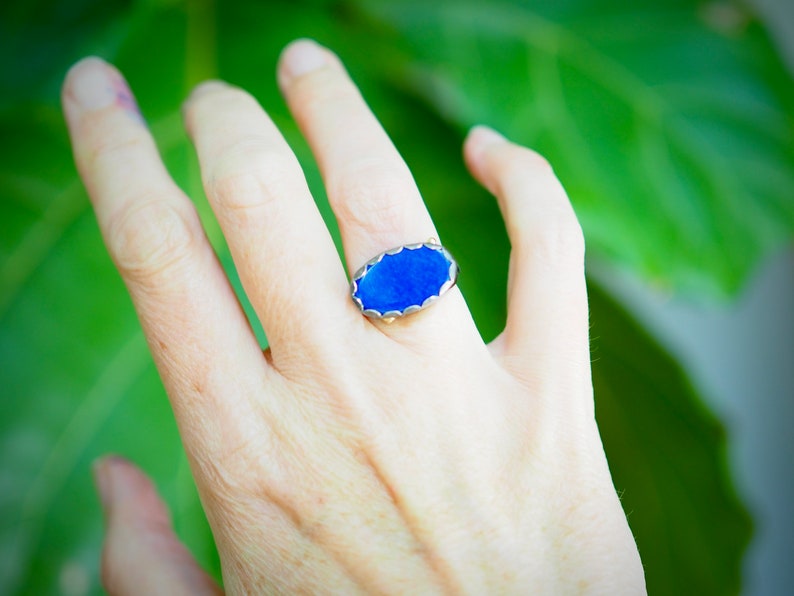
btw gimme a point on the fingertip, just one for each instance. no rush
(104, 471)
(92, 85)
(102, 481)
(205, 88)
(300, 57)
(89, 84)
(88, 63)
(304, 57)
(122, 485)
(140, 536)
(479, 140)
(482, 136)
(202, 90)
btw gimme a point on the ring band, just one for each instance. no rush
(403, 280)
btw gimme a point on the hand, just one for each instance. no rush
(352, 456)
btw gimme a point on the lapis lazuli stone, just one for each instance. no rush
(404, 279)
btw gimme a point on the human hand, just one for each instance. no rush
(352, 456)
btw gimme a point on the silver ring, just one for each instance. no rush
(403, 280)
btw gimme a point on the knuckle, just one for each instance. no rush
(371, 192)
(152, 238)
(551, 230)
(559, 237)
(108, 151)
(235, 478)
(250, 177)
(224, 476)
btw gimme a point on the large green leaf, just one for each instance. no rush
(659, 441)
(77, 380)
(669, 121)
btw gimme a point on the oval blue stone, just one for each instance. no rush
(402, 280)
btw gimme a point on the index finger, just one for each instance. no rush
(202, 344)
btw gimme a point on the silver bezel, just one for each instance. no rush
(393, 314)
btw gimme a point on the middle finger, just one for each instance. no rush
(370, 188)
(282, 249)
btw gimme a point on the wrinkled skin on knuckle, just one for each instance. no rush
(371, 196)
(251, 178)
(151, 238)
(552, 232)
(244, 469)
(227, 484)
(558, 239)
(110, 152)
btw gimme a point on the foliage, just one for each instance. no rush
(665, 121)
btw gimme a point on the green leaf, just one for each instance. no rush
(77, 378)
(668, 460)
(669, 123)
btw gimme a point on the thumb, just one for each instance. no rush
(141, 554)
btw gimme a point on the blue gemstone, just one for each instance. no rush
(404, 279)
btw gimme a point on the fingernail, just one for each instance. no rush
(102, 481)
(299, 58)
(485, 135)
(205, 88)
(90, 84)
(103, 470)
(481, 137)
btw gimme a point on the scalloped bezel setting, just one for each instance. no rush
(403, 280)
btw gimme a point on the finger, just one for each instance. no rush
(547, 318)
(283, 251)
(370, 188)
(198, 335)
(141, 553)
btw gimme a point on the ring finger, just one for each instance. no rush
(279, 242)
(371, 190)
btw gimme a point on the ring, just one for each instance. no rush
(403, 280)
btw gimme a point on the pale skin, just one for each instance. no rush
(352, 456)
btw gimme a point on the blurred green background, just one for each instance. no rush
(668, 121)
